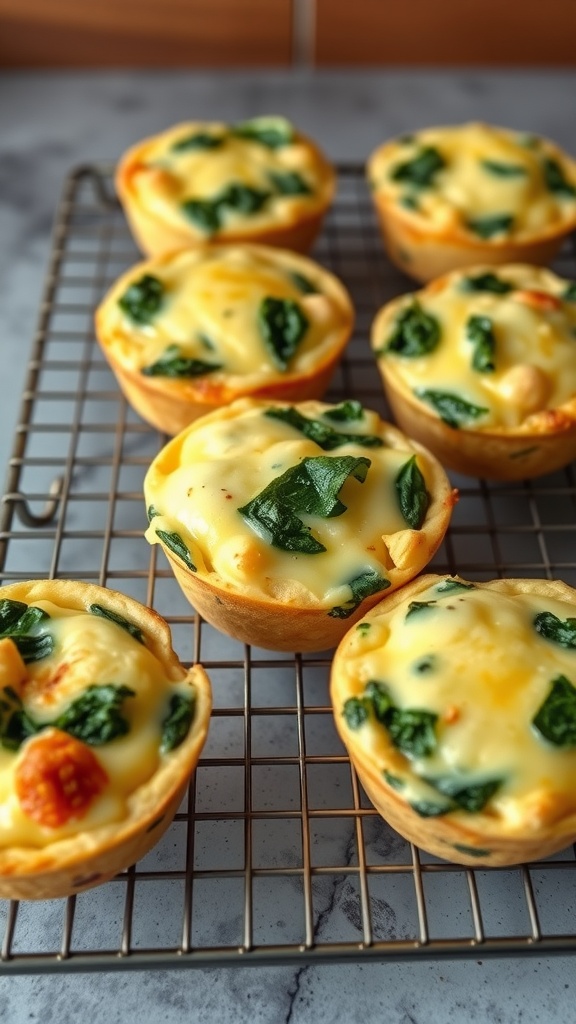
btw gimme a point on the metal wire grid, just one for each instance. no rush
(276, 855)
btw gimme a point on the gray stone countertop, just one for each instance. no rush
(51, 122)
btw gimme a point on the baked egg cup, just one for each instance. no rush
(259, 181)
(101, 729)
(460, 195)
(192, 330)
(456, 702)
(284, 523)
(480, 367)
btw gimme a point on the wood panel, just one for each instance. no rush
(132, 33)
(448, 32)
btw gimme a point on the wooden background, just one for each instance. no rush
(282, 33)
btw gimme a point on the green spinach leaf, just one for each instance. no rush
(119, 620)
(204, 213)
(282, 325)
(556, 718)
(415, 333)
(172, 364)
(418, 606)
(503, 169)
(289, 183)
(310, 488)
(569, 293)
(356, 711)
(349, 411)
(558, 631)
(367, 583)
(323, 435)
(95, 718)
(449, 585)
(19, 622)
(303, 284)
(413, 497)
(487, 282)
(452, 409)
(176, 724)
(15, 723)
(411, 730)
(242, 198)
(421, 169)
(272, 132)
(197, 141)
(152, 512)
(556, 180)
(142, 299)
(480, 331)
(466, 796)
(174, 542)
(490, 224)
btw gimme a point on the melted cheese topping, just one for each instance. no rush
(88, 650)
(534, 331)
(465, 188)
(164, 177)
(210, 311)
(488, 674)
(201, 479)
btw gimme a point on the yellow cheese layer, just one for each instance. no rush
(465, 188)
(535, 344)
(167, 178)
(89, 650)
(487, 673)
(210, 308)
(215, 468)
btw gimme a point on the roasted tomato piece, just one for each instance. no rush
(538, 300)
(57, 779)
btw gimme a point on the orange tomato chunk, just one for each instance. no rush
(538, 300)
(57, 779)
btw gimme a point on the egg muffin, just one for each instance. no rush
(192, 330)
(456, 196)
(260, 180)
(284, 523)
(457, 704)
(100, 728)
(480, 366)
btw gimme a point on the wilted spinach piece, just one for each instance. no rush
(418, 606)
(555, 178)
(349, 411)
(303, 284)
(487, 282)
(176, 724)
(119, 620)
(471, 796)
(243, 198)
(431, 808)
(18, 622)
(310, 488)
(480, 331)
(452, 409)
(15, 723)
(289, 183)
(272, 132)
(323, 435)
(421, 169)
(471, 851)
(411, 730)
(368, 583)
(152, 512)
(172, 364)
(449, 585)
(197, 141)
(558, 631)
(413, 497)
(490, 224)
(174, 542)
(95, 718)
(142, 299)
(204, 213)
(409, 202)
(569, 293)
(503, 169)
(415, 333)
(282, 325)
(394, 781)
(356, 711)
(556, 718)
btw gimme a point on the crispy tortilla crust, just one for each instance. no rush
(489, 841)
(543, 443)
(155, 237)
(289, 622)
(425, 251)
(171, 405)
(89, 858)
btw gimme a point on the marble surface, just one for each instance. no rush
(52, 122)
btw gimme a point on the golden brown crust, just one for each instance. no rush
(544, 442)
(425, 250)
(286, 622)
(155, 236)
(73, 864)
(170, 405)
(479, 839)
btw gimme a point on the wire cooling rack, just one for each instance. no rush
(276, 856)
